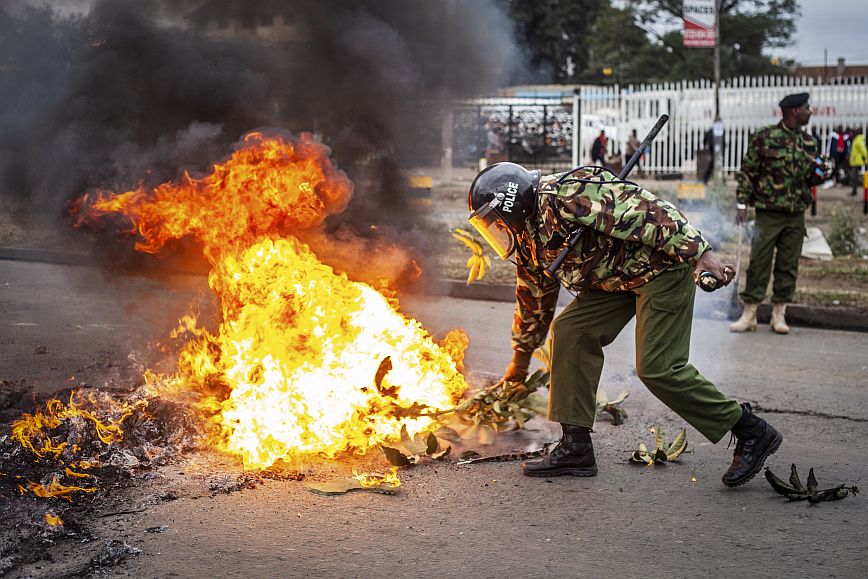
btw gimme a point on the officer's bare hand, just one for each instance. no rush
(514, 373)
(740, 216)
(709, 262)
(517, 369)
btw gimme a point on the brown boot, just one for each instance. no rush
(747, 321)
(779, 322)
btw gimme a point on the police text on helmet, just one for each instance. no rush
(511, 192)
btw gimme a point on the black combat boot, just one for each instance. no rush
(574, 455)
(756, 441)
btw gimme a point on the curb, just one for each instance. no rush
(824, 317)
(45, 256)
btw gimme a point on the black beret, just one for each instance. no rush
(792, 101)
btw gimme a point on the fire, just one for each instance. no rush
(295, 367)
(53, 520)
(54, 490)
(33, 431)
(378, 480)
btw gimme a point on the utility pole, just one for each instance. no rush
(717, 60)
(717, 127)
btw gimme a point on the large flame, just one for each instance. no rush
(305, 361)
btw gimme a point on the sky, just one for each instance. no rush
(840, 26)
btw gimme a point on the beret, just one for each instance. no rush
(792, 101)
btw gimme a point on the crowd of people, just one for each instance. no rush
(847, 152)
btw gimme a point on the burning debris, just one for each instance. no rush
(62, 450)
(288, 373)
(303, 364)
(387, 484)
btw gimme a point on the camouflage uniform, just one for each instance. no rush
(634, 259)
(776, 177)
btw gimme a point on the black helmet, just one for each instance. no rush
(502, 197)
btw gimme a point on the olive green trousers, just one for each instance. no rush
(664, 315)
(779, 236)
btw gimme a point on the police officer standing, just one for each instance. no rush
(781, 164)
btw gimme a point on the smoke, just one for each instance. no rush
(112, 93)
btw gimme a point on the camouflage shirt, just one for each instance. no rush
(628, 237)
(776, 172)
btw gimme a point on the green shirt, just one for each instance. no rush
(629, 236)
(776, 172)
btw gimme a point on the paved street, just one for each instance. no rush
(485, 520)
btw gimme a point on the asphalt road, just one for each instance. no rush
(483, 520)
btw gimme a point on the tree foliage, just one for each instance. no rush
(554, 33)
(748, 28)
(635, 41)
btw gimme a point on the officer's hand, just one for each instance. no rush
(740, 216)
(517, 369)
(709, 262)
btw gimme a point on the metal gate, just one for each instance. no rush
(539, 131)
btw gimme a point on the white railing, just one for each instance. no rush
(746, 104)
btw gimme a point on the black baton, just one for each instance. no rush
(631, 162)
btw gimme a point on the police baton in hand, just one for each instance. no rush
(644, 146)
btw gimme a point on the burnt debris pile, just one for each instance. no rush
(75, 446)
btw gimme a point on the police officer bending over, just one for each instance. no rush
(636, 256)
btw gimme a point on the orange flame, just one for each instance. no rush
(53, 520)
(378, 480)
(54, 490)
(33, 430)
(291, 370)
(268, 185)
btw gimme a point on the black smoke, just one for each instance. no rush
(126, 91)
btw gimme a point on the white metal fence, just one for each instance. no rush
(746, 104)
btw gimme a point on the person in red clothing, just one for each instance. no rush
(598, 150)
(839, 151)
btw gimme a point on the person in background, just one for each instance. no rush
(839, 147)
(858, 159)
(633, 145)
(715, 156)
(598, 150)
(781, 164)
(708, 146)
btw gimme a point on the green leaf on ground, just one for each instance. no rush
(678, 446)
(659, 456)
